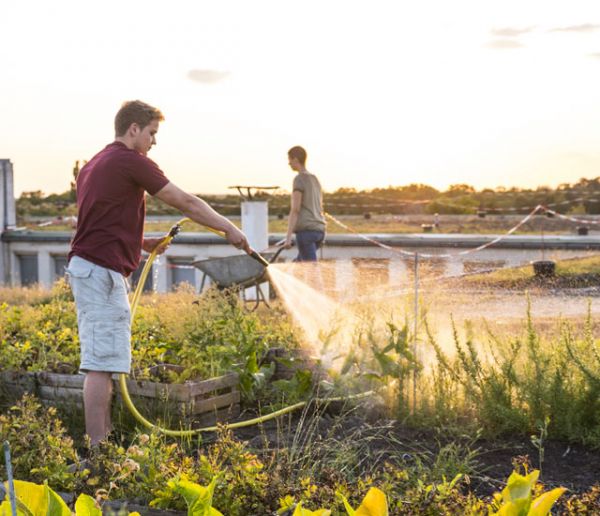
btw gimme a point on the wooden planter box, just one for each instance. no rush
(14, 384)
(288, 362)
(192, 403)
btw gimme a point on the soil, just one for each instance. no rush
(589, 282)
(568, 465)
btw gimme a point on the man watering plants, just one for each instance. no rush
(107, 245)
(306, 213)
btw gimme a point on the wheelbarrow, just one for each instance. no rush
(240, 271)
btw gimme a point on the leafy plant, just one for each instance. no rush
(517, 499)
(37, 500)
(40, 445)
(197, 497)
(373, 504)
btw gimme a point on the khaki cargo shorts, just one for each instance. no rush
(103, 316)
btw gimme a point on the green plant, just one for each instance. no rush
(373, 504)
(243, 482)
(197, 497)
(517, 499)
(539, 440)
(41, 448)
(37, 500)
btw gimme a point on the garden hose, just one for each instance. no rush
(188, 433)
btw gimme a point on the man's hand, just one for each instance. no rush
(288, 243)
(149, 244)
(237, 239)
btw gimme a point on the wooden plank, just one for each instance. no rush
(220, 382)
(17, 378)
(219, 416)
(210, 404)
(60, 394)
(14, 376)
(184, 392)
(188, 399)
(160, 391)
(60, 380)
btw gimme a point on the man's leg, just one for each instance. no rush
(97, 394)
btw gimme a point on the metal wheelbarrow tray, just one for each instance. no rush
(237, 271)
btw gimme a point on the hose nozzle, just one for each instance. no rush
(175, 230)
(260, 259)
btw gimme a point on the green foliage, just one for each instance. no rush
(41, 448)
(243, 482)
(526, 385)
(517, 499)
(40, 500)
(197, 497)
(458, 198)
(34, 500)
(206, 336)
(373, 504)
(85, 505)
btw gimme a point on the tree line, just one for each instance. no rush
(582, 197)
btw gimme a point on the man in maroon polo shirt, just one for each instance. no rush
(107, 247)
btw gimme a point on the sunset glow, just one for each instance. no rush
(380, 93)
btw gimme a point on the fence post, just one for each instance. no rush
(9, 475)
(416, 327)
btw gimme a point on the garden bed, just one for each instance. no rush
(203, 402)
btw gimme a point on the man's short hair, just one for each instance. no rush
(299, 153)
(135, 112)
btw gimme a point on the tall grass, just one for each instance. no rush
(513, 384)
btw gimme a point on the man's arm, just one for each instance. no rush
(200, 212)
(293, 218)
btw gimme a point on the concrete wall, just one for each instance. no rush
(343, 255)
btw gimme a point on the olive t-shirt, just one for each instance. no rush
(111, 205)
(311, 210)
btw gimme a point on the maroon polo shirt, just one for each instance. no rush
(111, 205)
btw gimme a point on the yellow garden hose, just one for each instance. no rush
(187, 433)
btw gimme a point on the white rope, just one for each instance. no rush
(572, 219)
(403, 252)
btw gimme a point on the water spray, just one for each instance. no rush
(240, 424)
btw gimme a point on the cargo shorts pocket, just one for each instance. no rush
(79, 268)
(111, 335)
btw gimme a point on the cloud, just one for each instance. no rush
(502, 44)
(509, 32)
(207, 76)
(595, 55)
(584, 27)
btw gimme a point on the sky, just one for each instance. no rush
(485, 92)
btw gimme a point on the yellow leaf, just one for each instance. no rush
(508, 509)
(373, 504)
(86, 506)
(349, 510)
(38, 499)
(519, 487)
(542, 504)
